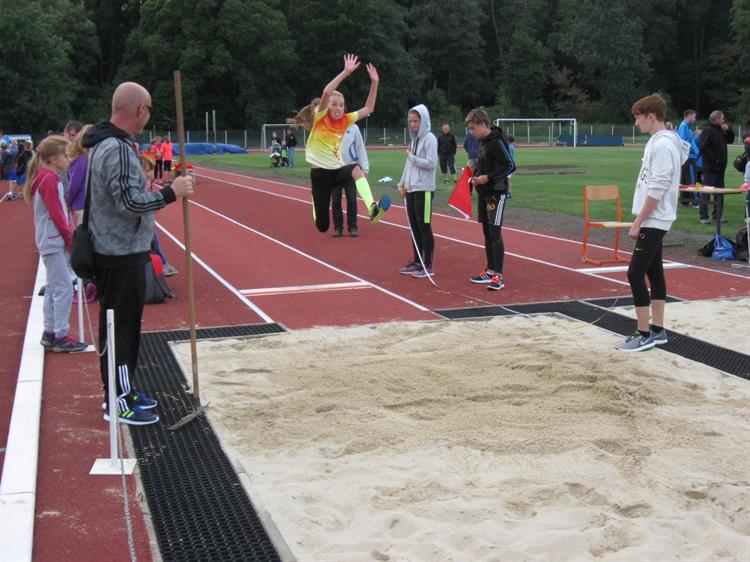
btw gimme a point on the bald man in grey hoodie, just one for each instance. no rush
(121, 222)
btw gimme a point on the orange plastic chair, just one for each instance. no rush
(603, 193)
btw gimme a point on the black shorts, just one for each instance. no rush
(167, 166)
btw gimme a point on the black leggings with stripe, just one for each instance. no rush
(490, 212)
(419, 207)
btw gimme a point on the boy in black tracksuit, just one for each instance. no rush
(494, 165)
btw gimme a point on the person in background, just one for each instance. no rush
(156, 144)
(352, 152)
(148, 162)
(54, 238)
(512, 149)
(75, 197)
(8, 163)
(689, 174)
(167, 151)
(284, 154)
(471, 146)
(655, 209)
(291, 144)
(417, 187)
(447, 153)
(22, 162)
(713, 147)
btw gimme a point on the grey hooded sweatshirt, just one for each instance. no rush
(121, 217)
(419, 168)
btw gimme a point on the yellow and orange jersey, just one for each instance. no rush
(323, 148)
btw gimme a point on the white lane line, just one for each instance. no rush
(458, 241)
(219, 278)
(622, 268)
(451, 217)
(266, 291)
(314, 259)
(443, 215)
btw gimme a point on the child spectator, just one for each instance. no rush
(417, 185)
(352, 152)
(54, 237)
(493, 166)
(447, 152)
(148, 162)
(284, 154)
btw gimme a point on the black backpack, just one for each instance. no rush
(157, 290)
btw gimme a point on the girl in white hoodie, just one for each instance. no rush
(654, 208)
(417, 186)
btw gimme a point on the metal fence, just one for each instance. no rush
(523, 131)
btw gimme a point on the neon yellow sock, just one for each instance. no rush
(363, 188)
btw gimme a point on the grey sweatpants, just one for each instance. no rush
(58, 295)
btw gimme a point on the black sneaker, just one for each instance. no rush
(137, 398)
(496, 283)
(134, 416)
(337, 232)
(353, 232)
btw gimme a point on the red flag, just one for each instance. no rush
(460, 199)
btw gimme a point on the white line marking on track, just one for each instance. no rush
(313, 258)
(622, 268)
(405, 227)
(267, 291)
(219, 278)
(309, 202)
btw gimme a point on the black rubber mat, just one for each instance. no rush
(715, 356)
(198, 506)
(474, 312)
(610, 302)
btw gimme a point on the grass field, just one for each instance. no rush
(548, 179)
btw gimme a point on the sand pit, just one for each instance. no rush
(507, 439)
(723, 322)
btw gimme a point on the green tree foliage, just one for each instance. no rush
(604, 46)
(375, 30)
(257, 61)
(36, 73)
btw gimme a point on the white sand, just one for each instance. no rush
(724, 322)
(510, 439)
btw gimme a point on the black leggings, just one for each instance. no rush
(419, 207)
(323, 181)
(647, 261)
(494, 247)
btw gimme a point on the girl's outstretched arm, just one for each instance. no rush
(369, 107)
(350, 65)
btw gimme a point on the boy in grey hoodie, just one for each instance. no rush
(655, 209)
(417, 186)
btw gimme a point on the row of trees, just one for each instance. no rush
(256, 61)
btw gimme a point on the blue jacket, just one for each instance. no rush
(686, 134)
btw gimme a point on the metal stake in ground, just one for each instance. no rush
(188, 245)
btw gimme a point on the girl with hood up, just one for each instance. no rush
(417, 186)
